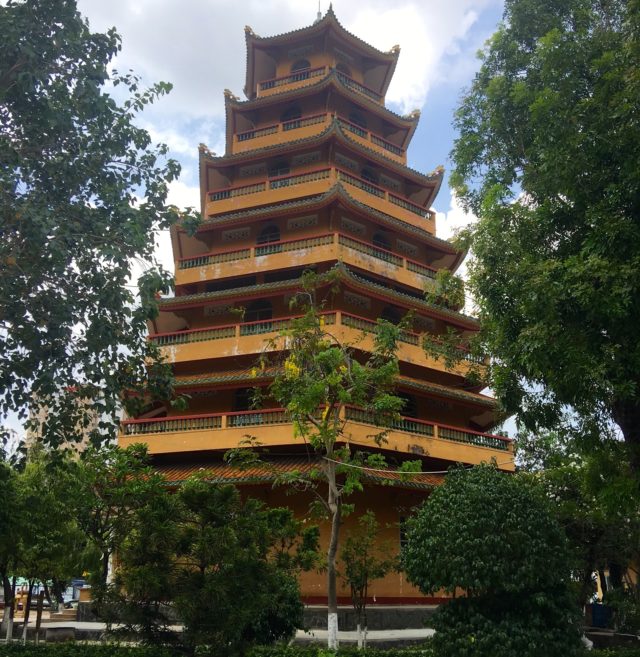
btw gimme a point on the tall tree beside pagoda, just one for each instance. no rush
(82, 190)
(548, 157)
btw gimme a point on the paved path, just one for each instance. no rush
(372, 635)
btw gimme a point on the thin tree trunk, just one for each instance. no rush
(6, 590)
(39, 614)
(27, 612)
(12, 600)
(335, 504)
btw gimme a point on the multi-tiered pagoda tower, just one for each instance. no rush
(314, 177)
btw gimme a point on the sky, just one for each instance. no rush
(199, 46)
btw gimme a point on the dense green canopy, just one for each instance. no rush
(82, 193)
(548, 156)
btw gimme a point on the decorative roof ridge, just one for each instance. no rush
(333, 128)
(267, 374)
(337, 189)
(413, 117)
(343, 271)
(326, 21)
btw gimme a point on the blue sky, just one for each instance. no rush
(198, 45)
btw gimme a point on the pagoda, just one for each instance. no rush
(314, 176)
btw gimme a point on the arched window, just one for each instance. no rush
(391, 314)
(258, 310)
(300, 65)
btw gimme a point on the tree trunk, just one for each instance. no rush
(6, 589)
(12, 604)
(627, 416)
(105, 568)
(335, 504)
(27, 612)
(39, 614)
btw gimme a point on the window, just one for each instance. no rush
(381, 241)
(290, 117)
(278, 169)
(368, 174)
(258, 310)
(358, 118)
(270, 233)
(300, 65)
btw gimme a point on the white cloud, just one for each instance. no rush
(199, 46)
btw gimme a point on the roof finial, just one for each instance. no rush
(319, 16)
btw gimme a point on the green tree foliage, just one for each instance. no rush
(595, 499)
(318, 380)
(548, 156)
(82, 193)
(493, 537)
(364, 560)
(232, 586)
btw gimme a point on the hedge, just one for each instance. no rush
(70, 649)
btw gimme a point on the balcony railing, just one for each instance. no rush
(230, 330)
(297, 76)
(306, 243)
(370, 326)
(357, 86)
(315, 119)
(273, 416)
(441, 431)
(322, 174)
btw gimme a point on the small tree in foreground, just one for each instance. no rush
(319, 380)
(490, 540)
(364, 560)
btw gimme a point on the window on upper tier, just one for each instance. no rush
(291, 114)
(391, 314)
(381, 241)
(258, 310)
(269, 234)
(343, 68)
(278, 169)
(358, 118)
(368, 174)
(410, 408)
(300, 65)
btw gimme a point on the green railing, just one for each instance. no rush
(356, 86)
(298, 179)
(362, 184)
(375, 252)
(171, 425)
(369, 326)
(303, 122)
(293, 245)
(407, 205)
(392, 148)
(258, 132)
(194, 335)
(232, 192)
(298, 76)
(214, 258)
(418, 268)
(473, 438)
(258, 418)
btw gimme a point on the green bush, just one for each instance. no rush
(80, 650)
(351, 651)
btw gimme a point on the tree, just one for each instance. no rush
(547, 155)
(595, 500)
(9, 537)
(234, 586)
(82, 192)
(363, 563)
(318, 379)
(492, 537)
(113, 483)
